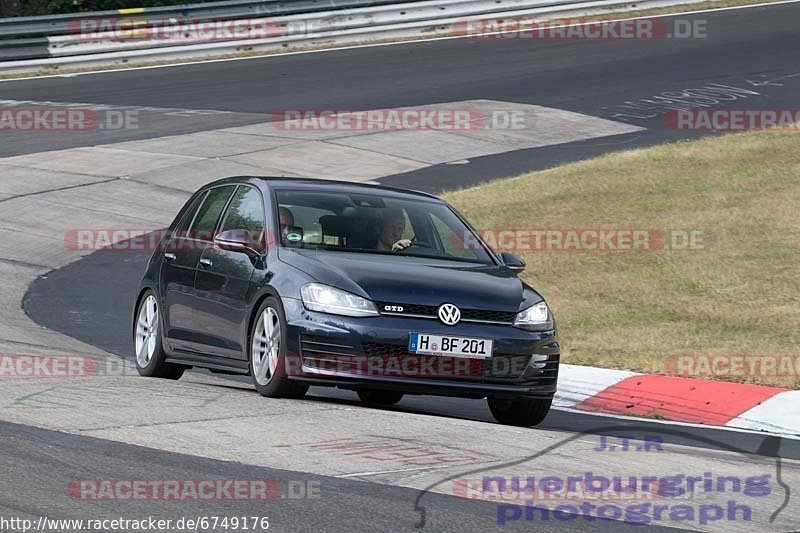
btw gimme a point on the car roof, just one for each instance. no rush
(324, 185)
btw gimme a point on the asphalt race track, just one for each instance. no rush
(344, 456)
(68, 301)
(381, 507)
(752, 49)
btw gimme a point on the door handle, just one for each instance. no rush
(170, 257)
(206, 263)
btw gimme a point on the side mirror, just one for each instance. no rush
(238, 240)
(514, 262)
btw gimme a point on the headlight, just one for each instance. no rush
(535, 317)
(318, 297)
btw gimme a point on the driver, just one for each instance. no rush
(390, 231)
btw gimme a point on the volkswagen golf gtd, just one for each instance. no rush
(300, 282)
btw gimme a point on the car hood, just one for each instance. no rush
(413, 280)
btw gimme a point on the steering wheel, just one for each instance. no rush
(414, 244)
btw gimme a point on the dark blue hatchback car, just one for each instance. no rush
(387, 292)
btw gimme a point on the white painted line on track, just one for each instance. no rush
(373, 45)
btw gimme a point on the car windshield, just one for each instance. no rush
(371, 223)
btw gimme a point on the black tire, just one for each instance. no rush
(155, 366)
(524, 412)
(278, 384)
(379, 397)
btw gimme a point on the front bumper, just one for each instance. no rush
(372, 352)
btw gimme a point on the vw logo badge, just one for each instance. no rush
(449, 314)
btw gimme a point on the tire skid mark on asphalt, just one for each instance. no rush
(410, 451)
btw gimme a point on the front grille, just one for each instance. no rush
(408, 309)
(488, 316)
(432, 312)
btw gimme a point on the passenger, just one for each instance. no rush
(390, 231)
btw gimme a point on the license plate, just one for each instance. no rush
(470, 348)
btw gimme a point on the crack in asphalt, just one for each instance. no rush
(26, 264)
(57, 189)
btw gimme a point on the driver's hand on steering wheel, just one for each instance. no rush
(402, 244)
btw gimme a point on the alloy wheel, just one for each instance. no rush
(146, 331)
(266, 346)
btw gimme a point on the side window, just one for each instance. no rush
(182, 228)
(246, 212)
(207, 217)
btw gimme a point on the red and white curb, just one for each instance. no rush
(679, 399)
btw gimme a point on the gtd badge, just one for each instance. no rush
(449, 314)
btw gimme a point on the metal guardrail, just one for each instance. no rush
(50, 43)
(19, 27)
(291, 28)
(23, 38)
